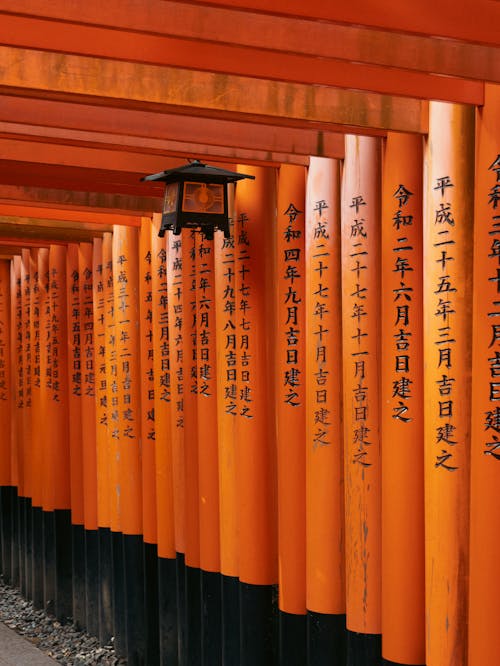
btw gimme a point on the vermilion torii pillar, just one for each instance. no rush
(447, 263)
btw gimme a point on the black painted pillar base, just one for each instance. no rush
(64, 565)
(193, 615)
(92, 581)
(364, 649)
(105, 590)
(230, 620)
(133, 562)
(152, 622)
(258, 625)
(79, 603)
(37, 562)
(168, 609)
(211, 617)
(118, 588)
(49, 562)
(7, 497)
(386, 662)
(326, 639)
(28, 540)
(292, 639)
(21, 554)
(14, 553)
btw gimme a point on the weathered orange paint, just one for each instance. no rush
(88, 386)
(162, 397)
(290, 383)
(57, 490)
(226, 401)
(208, 455)
(149, 509)
(361, 344)
(26, 442)
(73, 342)
(6, 397)
(233, 59)
(101, 406)
(177, 323)
(403, 585)
(448, 236)
(15, 328)
(41, 446)
(324, 437)
(190, 349)
(126, 430)
(255, 430)
(484, 612)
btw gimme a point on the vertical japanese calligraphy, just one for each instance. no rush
(324, 447)
(149, 512)
(101, 396)
(361, 340)
(290, 391)
(484, 613)
(447, 284)
(176, 327)
(162, 382)
(58, 485)
(402, 403)
(255, 316)
(127, 428)
(88, 385)
(5, 375)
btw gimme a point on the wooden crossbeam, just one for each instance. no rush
(232, 59)
(27, 228)
(136, 127)
(274, 33)
(124, 84)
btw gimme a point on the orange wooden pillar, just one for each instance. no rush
(324, 445)
(113, 461)
(173, 573)
(75, 434)
(165, 475)
(403, 585)
(102, 413)
(208, 458)
(290, 382)
(6, 399)
(484, 611)
(448, 236)
(57, 463)
(225, 302)
(89, 436)
(17, 410)
(149, 506)
(26, 445)
(126, 431)
(39, 260)
(255, 428)
(192, 614)
(361, 352)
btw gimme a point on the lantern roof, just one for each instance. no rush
(199, 171)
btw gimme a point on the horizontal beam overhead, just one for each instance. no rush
(233, 59)
(61, 199)
(275, 33)
(22, 229)
(124, 84)
(468, 20)
(88, 220)
(141, 150)
(141, 125)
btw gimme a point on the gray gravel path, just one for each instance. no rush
(63, 643)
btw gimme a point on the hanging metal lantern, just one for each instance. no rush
(196, 196)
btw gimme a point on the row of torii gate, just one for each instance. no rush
(282, 447)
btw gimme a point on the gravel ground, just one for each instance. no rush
(64, 643)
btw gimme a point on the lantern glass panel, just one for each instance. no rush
(170, 200)
(203, 198)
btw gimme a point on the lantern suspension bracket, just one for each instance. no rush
(196, 197)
